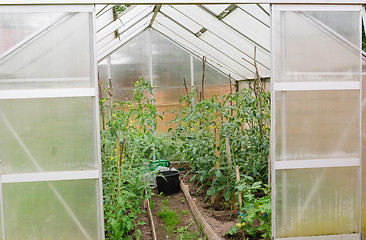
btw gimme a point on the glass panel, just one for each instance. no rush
(317, 125)
(38, 210)
(58, 56)
(256, 11)
(212, 76)
(53, 134)
(332, 35)
(182, 19)
(216, 8)
(170, 63)
(312, 202)
(17, 27)
(128, 64)
(253, 29)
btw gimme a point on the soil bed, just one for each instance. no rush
(184, 228)
(220, 219)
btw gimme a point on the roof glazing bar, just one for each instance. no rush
(156, 10)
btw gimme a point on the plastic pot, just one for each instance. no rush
(168, 182)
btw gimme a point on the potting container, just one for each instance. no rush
(168, 182)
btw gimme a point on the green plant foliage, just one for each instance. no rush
(127, 143)
(169, 217)
(202, 131)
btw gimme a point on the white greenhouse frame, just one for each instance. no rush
(110, 33)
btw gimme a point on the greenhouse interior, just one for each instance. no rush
(256, 107)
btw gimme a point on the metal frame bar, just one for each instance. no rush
(50, 176)
(78, 2)
(326, 237)
(305, 86)
(94, 64)
(317, 163)
(48, 93)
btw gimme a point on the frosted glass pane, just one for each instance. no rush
(47, 135)
(256, 11)
(182, 19)
(250, 27)
(36, 211)
(128, 64)
(329, 46)
(212, 76)
(216, 8)
(170, 63)
(58, 56)
(311, 202)
(165, 96)
(16, 27)
(317, 125)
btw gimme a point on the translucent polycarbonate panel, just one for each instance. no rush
(47, 134)
(216, 8)
(129, 63)
(182, 19)
(235, 58)
(103, 71)
(317, 125)
(228, 34)
(329, 43)
(256, 11)
(255, 30)
(212, 76)
(17, 27)
(170, 63)
(164, 96)
(58, 56)
(314, 202)
(51, 210)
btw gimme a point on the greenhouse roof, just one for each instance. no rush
(204, 30)
(210, 30)
(68, 2)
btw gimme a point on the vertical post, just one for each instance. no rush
(110, 92)
(2, 204)
(99, 190)
(149, 37)
(192, 75)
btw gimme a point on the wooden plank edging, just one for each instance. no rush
(206, 228)
(147, 206)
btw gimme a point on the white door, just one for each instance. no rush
(50, 165)
(316, 84)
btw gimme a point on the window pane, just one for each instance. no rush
(56, 55)
(49, 134)
(329, 46)
(312, 202)
(37, 210)
(317, 125)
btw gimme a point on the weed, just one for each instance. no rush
(185, 212)
(169, 217)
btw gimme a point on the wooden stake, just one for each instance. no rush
(238, 179)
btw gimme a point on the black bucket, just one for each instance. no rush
(168, 182)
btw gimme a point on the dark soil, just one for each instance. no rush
(146, 233)
(218, 216)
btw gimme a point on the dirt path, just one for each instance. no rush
(165, 209)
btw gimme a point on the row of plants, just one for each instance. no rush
(205, 131)
(128, 142)
(223, 132)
